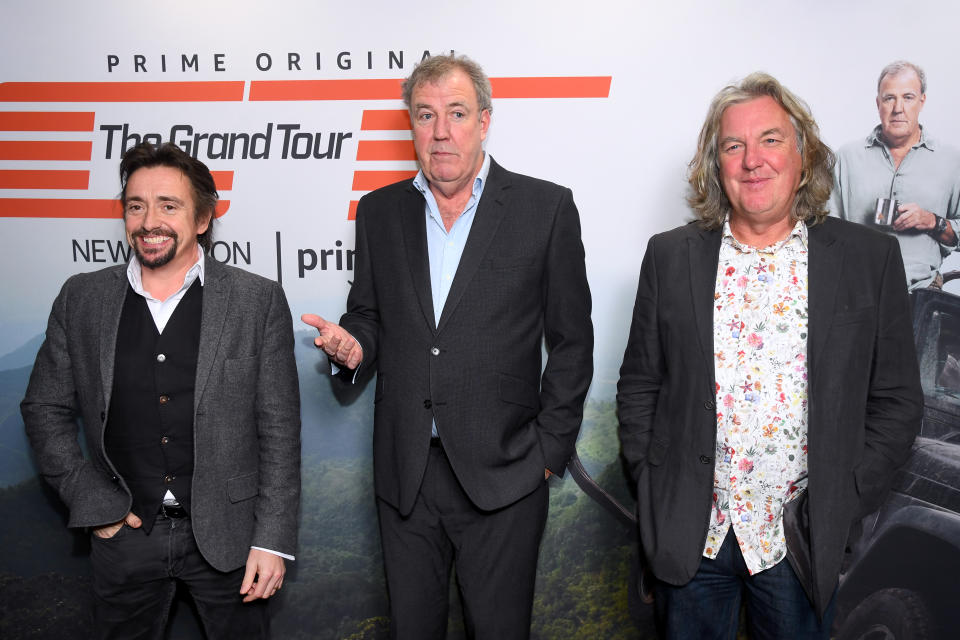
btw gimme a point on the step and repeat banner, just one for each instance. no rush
(295, 107)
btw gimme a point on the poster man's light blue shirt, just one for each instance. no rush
(929, 175)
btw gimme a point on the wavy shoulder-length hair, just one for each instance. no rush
(707, 198)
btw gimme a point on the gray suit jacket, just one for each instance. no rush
(477, 370)
(246, 480)
(865, 402)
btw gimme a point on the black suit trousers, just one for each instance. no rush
(495, 554)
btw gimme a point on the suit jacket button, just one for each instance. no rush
(164, 399)
(427, 404)
(705, 459)
(435, 351)
(103, 416)
(168, 479)
(708, 405)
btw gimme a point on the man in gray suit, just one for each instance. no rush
(183, 375)
(769, 386)
(461, 274)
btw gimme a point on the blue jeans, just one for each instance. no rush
(709, 605)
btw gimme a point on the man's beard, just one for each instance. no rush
(155, 260)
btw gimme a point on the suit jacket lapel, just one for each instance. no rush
(486, 221)
(217, 287)
(413, 226)
(110, 311)
(704, 255)
(824, 264)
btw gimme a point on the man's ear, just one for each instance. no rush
(204, 223)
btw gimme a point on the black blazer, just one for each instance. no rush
(865, 402)
(478, 370)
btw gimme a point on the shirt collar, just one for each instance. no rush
(876, 139)
(135, 274)
(799, 234)
(423, 185)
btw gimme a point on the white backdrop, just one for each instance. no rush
(623, 152)
(624, 156)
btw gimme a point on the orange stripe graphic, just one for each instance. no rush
(58, 208)
(352, 211)
(386, 150)
(213, 91)
(325, 89)
(70, 208)
(45, 150)
(46, 121)
(223, 180)
(565, 87)
(19, 179)
(385, 120)
(576, 87)
(370, 180)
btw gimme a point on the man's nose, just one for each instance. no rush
(151, 217)
(898, 105)
(751, 157)
(441, 127)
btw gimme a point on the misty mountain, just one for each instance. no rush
(15, 461)
(22, 356)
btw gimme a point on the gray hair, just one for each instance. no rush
(898, 67)
(434, 68)
(707, 197)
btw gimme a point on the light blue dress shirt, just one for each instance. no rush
(445, 248)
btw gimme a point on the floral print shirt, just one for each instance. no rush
(760, 361)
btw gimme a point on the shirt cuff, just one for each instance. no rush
(334, 369)
(276, 553)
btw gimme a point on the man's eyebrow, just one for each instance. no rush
(455, 103)
(727, 139)
(161, 198)
(774, 130)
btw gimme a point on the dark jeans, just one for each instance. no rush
(709, 605)
(495, 554)
(135, 577)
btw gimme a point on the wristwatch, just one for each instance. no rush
(940, 227)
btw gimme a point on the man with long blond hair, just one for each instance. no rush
(769, 386)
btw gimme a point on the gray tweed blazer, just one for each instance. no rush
(246, 482)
